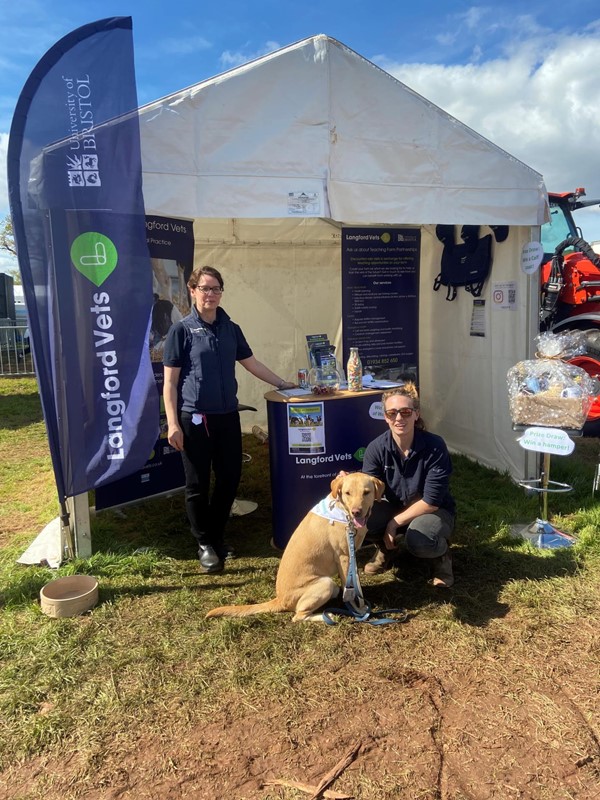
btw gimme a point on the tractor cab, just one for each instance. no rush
(570, 285)
(562, 224)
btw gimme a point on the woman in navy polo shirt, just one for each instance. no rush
(415, 467)
(200, 394)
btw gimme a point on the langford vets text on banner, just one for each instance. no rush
(75, 184)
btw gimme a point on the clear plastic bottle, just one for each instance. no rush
(354, 371)
(260, 434)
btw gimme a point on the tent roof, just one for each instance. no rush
(314, 129)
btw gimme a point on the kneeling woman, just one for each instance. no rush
(415, 467)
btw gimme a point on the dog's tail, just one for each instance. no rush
(273, 605)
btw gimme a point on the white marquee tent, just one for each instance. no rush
(316, 120)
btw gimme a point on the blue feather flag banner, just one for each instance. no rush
(75, 188)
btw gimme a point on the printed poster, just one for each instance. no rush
(504, 296)
(380, 298)
(306, 428)
(478, 318)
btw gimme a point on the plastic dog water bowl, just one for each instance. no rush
(69, 596)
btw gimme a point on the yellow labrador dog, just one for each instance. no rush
(318, 550)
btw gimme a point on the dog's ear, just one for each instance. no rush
(336, 485)
(379, 488)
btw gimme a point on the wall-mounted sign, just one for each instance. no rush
(531, 257)
(380, 297)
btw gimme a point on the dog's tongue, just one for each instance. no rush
(360, 522)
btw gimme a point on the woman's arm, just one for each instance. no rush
(405, 517)
(263, 373)
(171, 382)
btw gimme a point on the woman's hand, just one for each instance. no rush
(175, 437)
(389, 537)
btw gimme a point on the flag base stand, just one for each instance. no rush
(543, 535)
(79, 531)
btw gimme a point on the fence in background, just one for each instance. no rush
(15, 351)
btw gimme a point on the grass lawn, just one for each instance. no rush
(489, 690)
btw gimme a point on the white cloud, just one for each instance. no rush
(539, 103)
(8, 262)
(3, 182)
(229, 59)
(180, 46)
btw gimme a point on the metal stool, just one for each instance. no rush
(246, 457)
(242, 507)
(542, 533)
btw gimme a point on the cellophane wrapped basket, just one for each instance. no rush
(549, 392)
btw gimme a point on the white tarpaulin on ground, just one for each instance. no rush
(272, 158)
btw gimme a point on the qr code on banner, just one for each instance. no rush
(512, 296)
(306, 437)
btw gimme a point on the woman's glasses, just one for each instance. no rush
(392, 413)
(210, 289)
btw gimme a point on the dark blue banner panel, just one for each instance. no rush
(75, 185)
(380, 298)
(171, 246)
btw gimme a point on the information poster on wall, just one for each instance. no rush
(171, 247)
(380, 298)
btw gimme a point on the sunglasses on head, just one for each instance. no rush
(392, 413)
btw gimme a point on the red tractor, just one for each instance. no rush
(570, 286)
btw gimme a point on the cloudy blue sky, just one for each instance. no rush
(524, 76)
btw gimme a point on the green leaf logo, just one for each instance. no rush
(360, 453)
(95, 256)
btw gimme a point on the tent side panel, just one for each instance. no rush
(282, 281)
(463, 377)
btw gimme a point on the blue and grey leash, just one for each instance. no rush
(357, 607)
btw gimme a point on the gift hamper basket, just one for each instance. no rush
(547, 391)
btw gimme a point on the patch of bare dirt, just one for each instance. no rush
(481, 735)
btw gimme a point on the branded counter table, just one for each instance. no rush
(311, 438)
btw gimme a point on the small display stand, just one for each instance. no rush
(547, 441)
(311, 438)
